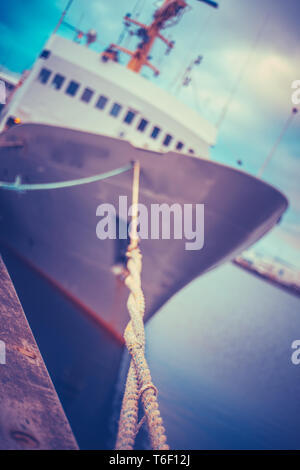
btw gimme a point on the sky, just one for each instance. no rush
(251, 52)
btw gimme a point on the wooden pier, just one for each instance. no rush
(31, 416)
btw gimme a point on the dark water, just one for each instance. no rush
(83, 359)
(220, 355)
(219, 352)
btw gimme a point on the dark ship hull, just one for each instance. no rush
(50, 238)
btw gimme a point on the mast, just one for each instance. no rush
(61, 19)
(170, 9)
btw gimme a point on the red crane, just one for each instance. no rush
(140, 57)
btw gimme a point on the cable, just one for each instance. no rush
(17, 186)
(178, 77)
(277, 142)
(242, 72)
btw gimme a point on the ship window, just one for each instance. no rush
(101, 103)
(45, 54)
(142, 125)
(58, 81)
(129, 117)
(11, 121)
(167, 140)
(9, 86)
(115, 110)
(179, 145)
(44, 75)
(155, 132)
(87, 95)
(191, 151)
(72, 88)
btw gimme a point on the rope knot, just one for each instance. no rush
(148, 387)
(139, 378)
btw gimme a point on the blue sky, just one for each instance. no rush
(261, 38)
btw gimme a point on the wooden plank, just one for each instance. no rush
(31, 416)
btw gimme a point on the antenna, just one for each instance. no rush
(63, 15)
(167, 14)
(277, 142)
(210, 3)
(241, 73)
(90, 35)
(186, 78)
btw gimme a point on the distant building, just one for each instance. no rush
(272, 269)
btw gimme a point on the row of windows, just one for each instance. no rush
(115, 110)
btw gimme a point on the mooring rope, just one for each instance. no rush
(139, 384)
(18, 186)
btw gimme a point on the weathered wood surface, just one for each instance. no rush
(31, 416)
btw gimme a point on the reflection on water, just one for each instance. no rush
(220, 354)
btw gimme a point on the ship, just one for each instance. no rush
(78, 113)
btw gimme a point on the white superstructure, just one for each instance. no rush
(71, 86)
(8, 82)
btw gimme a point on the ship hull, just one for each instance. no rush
(73, 299)
(55, 230)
